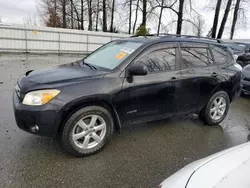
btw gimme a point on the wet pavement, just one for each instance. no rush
(141, 156)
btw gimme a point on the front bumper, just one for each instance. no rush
(246, 86)
(46, 117)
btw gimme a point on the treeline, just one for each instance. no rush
(104, 15)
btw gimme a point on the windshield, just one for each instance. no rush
(112, 54)
(237, 46)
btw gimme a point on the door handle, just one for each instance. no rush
(173, 79)
(214, 74)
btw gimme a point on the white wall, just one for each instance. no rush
(54, 40)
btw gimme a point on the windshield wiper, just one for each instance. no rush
(89, 65)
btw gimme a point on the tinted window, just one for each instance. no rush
(195, 55)
(220, 54)
(111, 55)
(237, 47)
(159, 60)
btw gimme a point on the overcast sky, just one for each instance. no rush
(19, 11)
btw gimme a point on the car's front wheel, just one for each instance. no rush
(87, 131)
(216, 109)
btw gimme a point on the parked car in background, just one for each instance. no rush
(246, 80)
(127, 81)
(241, 51)
(227, 169)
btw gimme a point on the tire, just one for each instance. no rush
(89, 122)
(208, 116)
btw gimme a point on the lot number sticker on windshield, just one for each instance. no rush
(127, 50)
(120, 55)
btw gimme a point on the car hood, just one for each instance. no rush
(213, 171)
(63, 73)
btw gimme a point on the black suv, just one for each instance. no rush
(126, 81)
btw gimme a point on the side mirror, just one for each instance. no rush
(138, 70)
(241, 58)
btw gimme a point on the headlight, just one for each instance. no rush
(40, 97)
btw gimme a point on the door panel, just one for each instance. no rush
(198, 84)
(153, 95)
(198, 76)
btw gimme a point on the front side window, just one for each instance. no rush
(159, 60)
(111, 55)
(195, 55)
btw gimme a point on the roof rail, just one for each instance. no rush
(149, 35)
(197, 37)
(181, 36)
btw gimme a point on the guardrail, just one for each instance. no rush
(52, 40)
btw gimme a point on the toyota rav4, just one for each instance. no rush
(137, 79)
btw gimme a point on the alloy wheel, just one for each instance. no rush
(89, 131)
(218, 108)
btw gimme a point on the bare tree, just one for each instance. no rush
(180, 17)
(97, 15)
(144, 12)
(130, 16)
(224, 20)
(104, 16)
(89, 2)
(216, 18)
(77, 14)
(159, 23)
(198, 25)
(82, 20)
(162, 7)
(49, 13)
(30, 20)
(235, 17)
(72, 14)
(112, 16)
(64, 4)
(136, 15)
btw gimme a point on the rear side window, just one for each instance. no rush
(195, 55)
(220, 54)
(159, 60)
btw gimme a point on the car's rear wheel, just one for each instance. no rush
(87, 131)
(216, 109)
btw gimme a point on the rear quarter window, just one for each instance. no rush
(221, 55)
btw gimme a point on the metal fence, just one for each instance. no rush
(52, 40)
